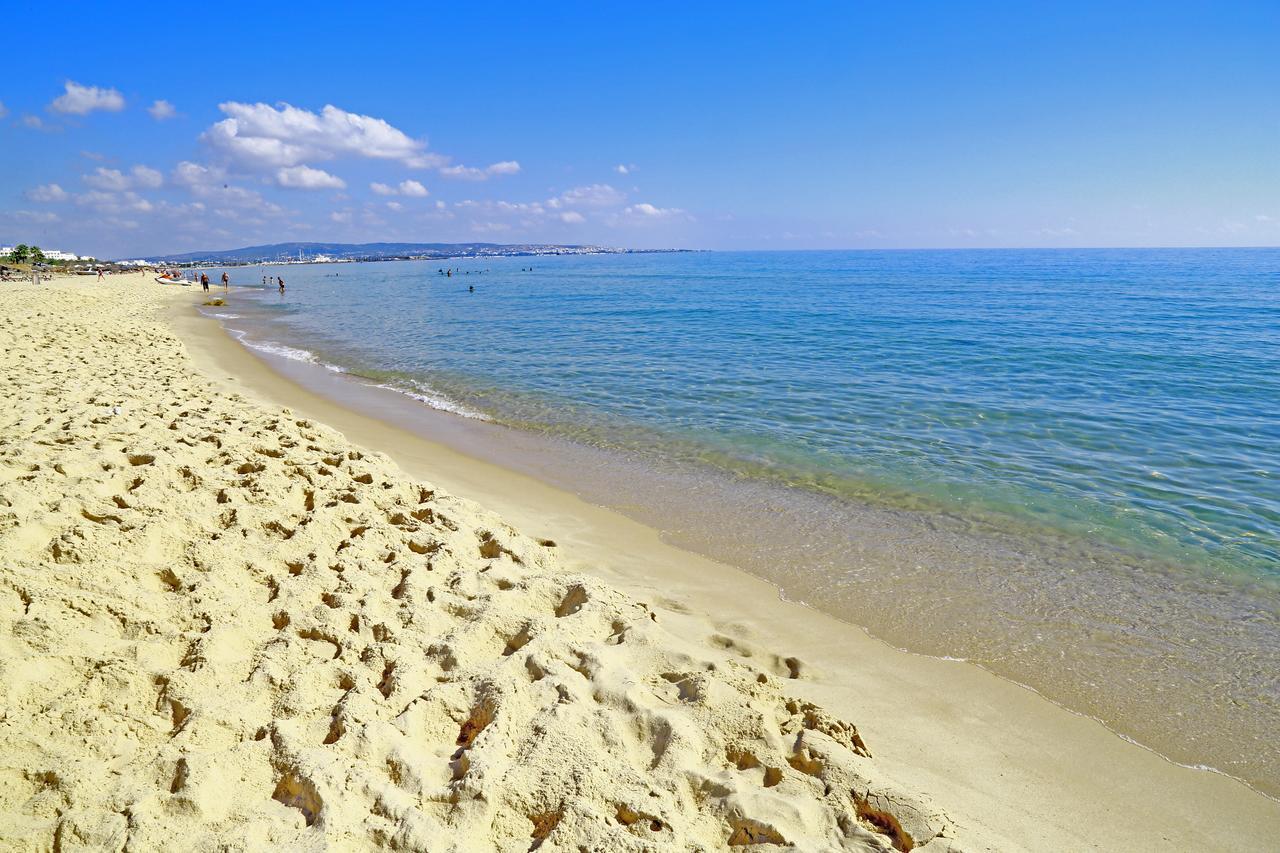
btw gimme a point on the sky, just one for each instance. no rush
(131, 129)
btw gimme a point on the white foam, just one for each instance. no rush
(436, 401)
(227, 316)
(283, 351)
(423, 394)
(291, 353)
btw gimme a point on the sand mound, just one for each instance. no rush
(227, 625)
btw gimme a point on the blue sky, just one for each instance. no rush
(718, 126)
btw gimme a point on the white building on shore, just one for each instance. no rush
(49, 254)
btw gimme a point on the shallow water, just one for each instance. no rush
(1061, 464)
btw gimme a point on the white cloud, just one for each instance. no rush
(47, 193)
(33, 122)
(413, 189)
(210, 183)
(470, 173)
(149, 178)
(572, 207)
(261, 135)
(409, 188)
(625, 168)
(42, 217)
(342, 217)
(192, 175)
(114, 202)
(506, 208)
(82, 100)
(395, 205)
(644, 213)
(113, 180)
(107, 179)
(307, 178)
(162, 110)
(595, 195)
(646, 209)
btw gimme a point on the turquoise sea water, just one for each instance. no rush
(1123, 401)
(1132, 395)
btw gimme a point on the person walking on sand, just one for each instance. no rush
(204, 281)
(226, 281)
(99, 273)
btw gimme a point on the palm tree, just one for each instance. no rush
(19, 254)
(37, 256)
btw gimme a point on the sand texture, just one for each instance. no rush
(223, 626)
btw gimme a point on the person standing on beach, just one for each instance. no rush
(99, 273)
(281, 285)
(226, 281)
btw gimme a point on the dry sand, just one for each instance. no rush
(225, 625)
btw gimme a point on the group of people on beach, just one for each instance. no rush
(204, 281)
(226, 281)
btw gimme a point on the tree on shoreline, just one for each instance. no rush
(19, 253)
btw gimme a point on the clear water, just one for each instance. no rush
(1029, 450)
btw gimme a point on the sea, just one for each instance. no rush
(1060, 465)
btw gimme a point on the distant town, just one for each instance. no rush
(332, 253)
(313, 253)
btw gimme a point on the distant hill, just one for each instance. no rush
(375, 251)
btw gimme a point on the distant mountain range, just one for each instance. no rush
(378, 252)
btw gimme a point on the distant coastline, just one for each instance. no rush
(310, 253)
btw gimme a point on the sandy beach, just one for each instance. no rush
(235, 613)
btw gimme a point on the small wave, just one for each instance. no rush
(284, 351)
(291, 353)
(422, 393)
(436, 401)
(227, 316)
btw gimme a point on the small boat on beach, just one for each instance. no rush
(164, 279)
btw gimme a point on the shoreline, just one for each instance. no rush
(587, 474)
(223, 621)
(494, 486)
